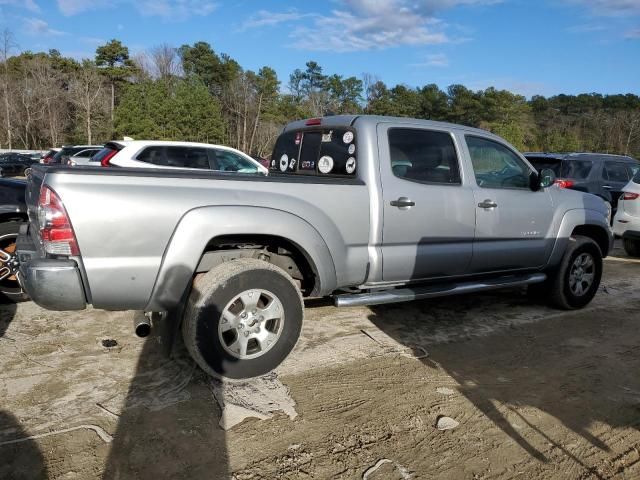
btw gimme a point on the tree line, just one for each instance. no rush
(194, 93)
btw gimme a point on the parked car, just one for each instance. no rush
(48, 156)
(68, 151)
(13, 213)
(626, 223)
(601, 174)
(171, 155)
(14, 164)
(84, 157)
(369, 210)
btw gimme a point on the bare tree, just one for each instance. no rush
(5, 51)
(87, 93)
(164, 62)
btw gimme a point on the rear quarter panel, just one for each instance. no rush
(125, 223)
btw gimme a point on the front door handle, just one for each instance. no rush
(608, 187)
(488, 204)
(402, 202)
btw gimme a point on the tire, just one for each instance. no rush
(568, 294)
(10, 289)
(267, 342)
(632, 247)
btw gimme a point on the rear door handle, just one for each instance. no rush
(608, 187)
(488, 204)
(402, 202)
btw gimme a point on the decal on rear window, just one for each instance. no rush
(314, 151)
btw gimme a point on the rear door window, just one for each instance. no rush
(576, 169)
(616, 172)
(327, 151)
(423, 156)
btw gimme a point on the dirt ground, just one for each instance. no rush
(534, 393)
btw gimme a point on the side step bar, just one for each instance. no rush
(406, 294)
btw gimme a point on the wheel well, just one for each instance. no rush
(597, 234)
(271, 248)
(13, 217)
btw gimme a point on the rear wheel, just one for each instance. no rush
(10, 289)
(242, 319)
(632, 247)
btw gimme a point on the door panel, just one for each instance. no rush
(428, 214)
(513, 223)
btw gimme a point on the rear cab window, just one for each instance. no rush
(322, 151)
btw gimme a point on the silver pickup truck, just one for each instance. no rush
(368, 210)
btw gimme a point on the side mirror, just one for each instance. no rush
(547, 177)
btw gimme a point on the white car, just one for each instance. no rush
(176, 155)
(626, 223)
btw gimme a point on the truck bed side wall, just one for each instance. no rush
(125, 223)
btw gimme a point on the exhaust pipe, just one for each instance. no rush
(141, 325)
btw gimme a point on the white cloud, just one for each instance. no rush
(356, 25)
(35, 26)
(176, 9)
(167, 9)
(30, 5)
(265, 18)
(586, 28)
(73, 7)
(610, 8)
(439, 60)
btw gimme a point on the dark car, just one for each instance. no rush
(14, 164)
(13, 212)
(601, 174)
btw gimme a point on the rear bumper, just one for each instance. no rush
(54, 284)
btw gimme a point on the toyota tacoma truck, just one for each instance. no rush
(365, 209)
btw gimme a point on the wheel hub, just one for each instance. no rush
(251, 324)
(582, 274)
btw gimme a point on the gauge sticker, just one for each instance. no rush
(273, 163)
(347, 137)
(350, 167)
(352, 149)
(298, 138)
(284, 162)
(292, 164)
(326, 137)
(325, 164)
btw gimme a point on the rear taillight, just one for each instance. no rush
(105, 162)
(55, 227)
(630, 196)
(564, 183)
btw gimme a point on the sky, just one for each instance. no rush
(530, 47)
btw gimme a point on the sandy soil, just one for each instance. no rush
(536, 394)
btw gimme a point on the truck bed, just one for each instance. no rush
(129, 221)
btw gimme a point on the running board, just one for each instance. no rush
(406, 294)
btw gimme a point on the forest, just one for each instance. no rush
(193, 93)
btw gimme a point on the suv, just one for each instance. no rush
(168, 155)
(601, 174)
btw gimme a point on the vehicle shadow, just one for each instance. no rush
(169, 425)
(20, 456)
(520, 373)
